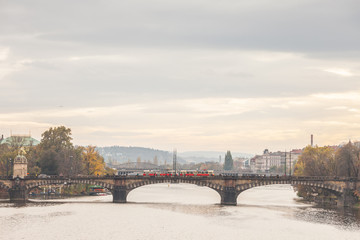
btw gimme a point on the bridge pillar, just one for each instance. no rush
(18, 195)
(229, 196)
(18, 192)
(119, 194)
(347, 199)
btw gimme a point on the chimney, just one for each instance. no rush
(312, 140)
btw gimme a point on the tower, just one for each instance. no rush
(20, 166)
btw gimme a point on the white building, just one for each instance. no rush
(263, 163)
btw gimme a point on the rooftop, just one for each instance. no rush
(19, 140)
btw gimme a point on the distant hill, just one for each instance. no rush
(120, 154)
(210, 156)
(131, 154)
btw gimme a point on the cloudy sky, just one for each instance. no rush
(238, 75)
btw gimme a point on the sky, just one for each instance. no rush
(239, 75)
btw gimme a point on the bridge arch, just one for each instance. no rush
(337, 190)
(4, 186)
(120, 193)
(45, 182)
(214, 186)
(323, 185)
(327, 186)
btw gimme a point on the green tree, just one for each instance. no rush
(56, 151)
(229, 163)
(6, 156)
(33, 157)
(49, 162)
(57, 138)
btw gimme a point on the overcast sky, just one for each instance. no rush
(239, 75)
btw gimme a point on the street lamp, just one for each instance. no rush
(71, 164)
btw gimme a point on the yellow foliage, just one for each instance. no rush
(93, 162)
(316, 161)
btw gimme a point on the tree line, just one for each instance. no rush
(55, 155)
(328, 161)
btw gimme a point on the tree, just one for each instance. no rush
(56, 151)
(49, 162)
(93, 162)
(316, 161)
(57, 138)
(348, 160)
(33, 157)
(110, 171)
(229, 163)
(6, 155)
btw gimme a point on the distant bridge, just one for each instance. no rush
(228, 187)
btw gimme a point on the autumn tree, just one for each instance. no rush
(229, 163)
(94, 163)
(316, 161)
(348, 160)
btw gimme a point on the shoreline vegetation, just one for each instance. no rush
(343, 161)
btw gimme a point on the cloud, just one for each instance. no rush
(341, 72)
(196, 74)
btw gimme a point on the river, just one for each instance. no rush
(179, 211)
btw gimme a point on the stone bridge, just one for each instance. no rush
(228, 187)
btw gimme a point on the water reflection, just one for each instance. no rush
(179, 211)
(345, 218)
(191, 209)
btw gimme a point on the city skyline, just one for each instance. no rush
(204, 75)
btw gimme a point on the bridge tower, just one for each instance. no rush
(17, 192)
(20, 166)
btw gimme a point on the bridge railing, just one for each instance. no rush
(235, 177)
(6, 177)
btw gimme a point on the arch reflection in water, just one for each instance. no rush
(174, 193)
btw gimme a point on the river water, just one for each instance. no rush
(179, 211)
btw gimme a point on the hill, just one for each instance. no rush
(131, 154)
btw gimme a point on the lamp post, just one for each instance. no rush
(290, 164)
(71, 164)
(285, 163)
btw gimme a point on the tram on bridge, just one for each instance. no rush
(181, 173)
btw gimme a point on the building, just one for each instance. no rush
(19, 141)
(275, 161)
(20, 166)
